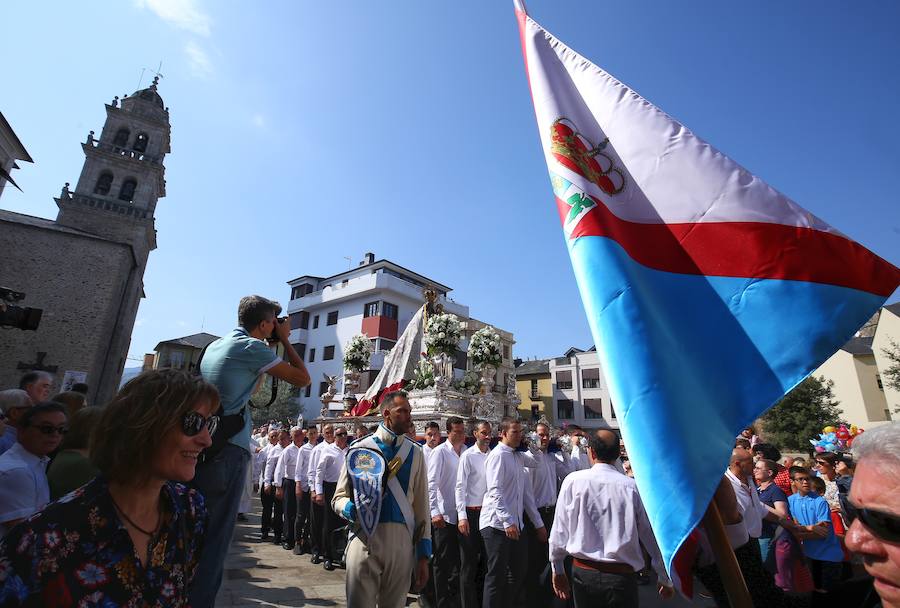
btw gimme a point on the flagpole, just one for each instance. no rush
(730, 571)
(520, 6)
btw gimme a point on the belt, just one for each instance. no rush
(608, 567)
(549, 509)
(473, 508)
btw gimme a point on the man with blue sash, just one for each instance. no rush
(383, 490)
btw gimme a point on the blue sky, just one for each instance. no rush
(304, 132)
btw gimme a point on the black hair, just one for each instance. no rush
(44, 407)
(605, 446)
(453, 420)
(30, 378)
(388, 400)
(432, 425)
(767, 450)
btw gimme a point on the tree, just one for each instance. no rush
(801, 415)
(892, 373)
(284, 409)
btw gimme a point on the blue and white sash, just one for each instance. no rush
(366, 468)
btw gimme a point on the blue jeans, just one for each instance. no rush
(221, 481)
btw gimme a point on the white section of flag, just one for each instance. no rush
(402, 360)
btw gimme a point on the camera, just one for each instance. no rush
(278, 321)
(17, 317)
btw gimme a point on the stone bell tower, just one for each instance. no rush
(115, 199)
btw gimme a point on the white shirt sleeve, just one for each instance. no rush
(279, 470)
(460, 490)
(528, 501)
(498, 480)
(560, 531)
(435, 470)
(320, 473)
(648, 540)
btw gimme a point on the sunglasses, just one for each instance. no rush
(885, 526)
(49, 429)
(340, 434)
(802, 479)
(193, 423)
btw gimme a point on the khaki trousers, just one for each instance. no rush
(379, 571)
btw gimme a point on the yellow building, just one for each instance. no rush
(888, 331)
(535, 388)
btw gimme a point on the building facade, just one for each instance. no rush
(534, 386)
(85, 269)
(580, 392)
(378, 298)
(11, 150)
(181, 353)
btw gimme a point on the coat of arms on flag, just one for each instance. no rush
(366, 468)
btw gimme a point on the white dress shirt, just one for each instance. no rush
(751, 507)
(442, 465)
(286, 465)
(470, 482)
(508, 491)
(272, 454)
(600, 517)
(23, 484)
(329, 466)
(426, 450)
(301, 470)
(543, 479)
(259, 463)
(314, 457)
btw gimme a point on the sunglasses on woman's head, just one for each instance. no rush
(885, 526)
(193, 423)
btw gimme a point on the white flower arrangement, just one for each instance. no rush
(485, 347)
(442, 334)
(357, 353)
(469, 384)
(423, 376)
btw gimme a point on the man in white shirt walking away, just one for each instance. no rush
(442, 466)
(317, 512)
(600, 521)
(470, 489)
(285, 486)
(301, 489)
(508, 494)
(328, 470)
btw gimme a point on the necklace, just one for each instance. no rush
(134, 525)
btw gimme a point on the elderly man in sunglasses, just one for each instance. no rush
(23, 480)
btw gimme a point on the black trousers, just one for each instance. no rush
(289, 504)
(761, 584)
(538, 587)
(316, 521)
(330, 522)
(472, 562)
(446, 565)
(272, 513)
(591, 588)
(301, 524)
(507, 561)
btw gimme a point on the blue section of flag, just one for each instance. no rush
(695, 359)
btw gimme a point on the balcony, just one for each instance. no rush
(534, 394)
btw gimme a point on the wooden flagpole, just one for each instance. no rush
(730, 571)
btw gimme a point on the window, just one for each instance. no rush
(332, 318)
(506, 351)
(564, 409)
(612, 410)
(308, 390)
(385, 344)
(389, 310)
(126, 192)
(316, 322)
(104, 183)
(299, 320)
(590, 377)
(535, 411)
(370, 309)
(301, 290)
(564, 379)
(593, 409)
(328, 353)
(121, 138)
(878, 380)
(312, 355)
(176, 359)
(140, 142)
(462, 360)
(300, 348)
(534, 388)
(323, 388)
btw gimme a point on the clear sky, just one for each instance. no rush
(304, 132)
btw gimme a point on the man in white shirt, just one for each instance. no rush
(543, 476)
(470, 489)
(508, 494)
(273, 514)
(13, 402)
(600, 521)
(575, 458)
(317, 513)
(432, 438)
(328, 470)
(740, 474)
(284, 483)
(442, 466)
(301, 489)
(23, 467)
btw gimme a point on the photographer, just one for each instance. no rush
(236, 364)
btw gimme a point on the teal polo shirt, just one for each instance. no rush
(234, 364)
(807, 511)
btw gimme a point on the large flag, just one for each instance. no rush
(398, 366)
(709, 293)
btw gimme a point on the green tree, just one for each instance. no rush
(892, 373)
(284, 409)
(801, 415)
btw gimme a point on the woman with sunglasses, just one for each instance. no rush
(825, 467)
(133, 535)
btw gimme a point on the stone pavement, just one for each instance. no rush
(261, 574)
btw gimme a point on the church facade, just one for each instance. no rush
(85, 269)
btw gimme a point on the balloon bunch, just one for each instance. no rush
(838, 439)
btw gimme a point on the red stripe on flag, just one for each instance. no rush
(366, 407)
(743, 249)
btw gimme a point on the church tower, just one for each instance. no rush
(115, 199)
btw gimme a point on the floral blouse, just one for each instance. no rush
(77, 553)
